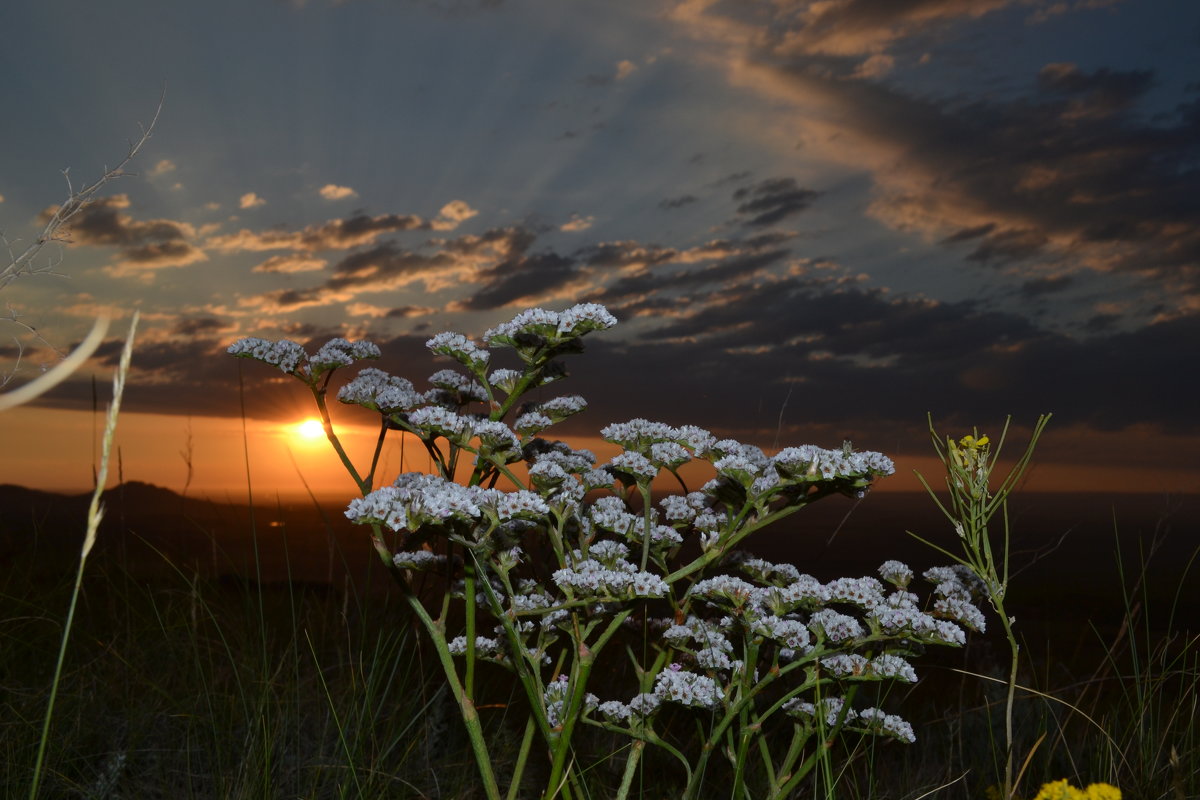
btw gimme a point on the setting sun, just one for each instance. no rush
(310, 428)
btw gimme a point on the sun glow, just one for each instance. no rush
(309, 430)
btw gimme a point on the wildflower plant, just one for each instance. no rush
(566, 564)
(971, 504)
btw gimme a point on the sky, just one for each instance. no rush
(816, 220)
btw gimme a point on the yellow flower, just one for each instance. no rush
(1063, 790)
(971, 443)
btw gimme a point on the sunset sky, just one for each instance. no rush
(815, 220)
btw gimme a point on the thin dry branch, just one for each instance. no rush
(24, 265)
(76, 201)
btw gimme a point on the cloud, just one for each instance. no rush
(290, 263)
(251, 200)
(331, 191)
(452, 215)
(621, 70)
(144, 245)
(162, 167)
(671, 203)
(385, 266)
(382, 312)
(772, 201)
(1, 198)
(335, 234)
(1071, 172)
(144, 258)
(577, 223)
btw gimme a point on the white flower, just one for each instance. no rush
(836, 627)
(289, 356)
(896, 572)
(892, 666)
(374, 388)
(342, 353)
(634, 464)
(460, 348)
(876, 720)
(418, 559)
(688, 688)
(585, 317)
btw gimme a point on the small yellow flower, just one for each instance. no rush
(1063, 790)
(969, 442)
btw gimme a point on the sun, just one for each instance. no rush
(309, 430)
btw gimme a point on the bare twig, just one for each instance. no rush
(25, 264)
(76, 201)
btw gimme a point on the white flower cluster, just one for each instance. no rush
(496, 436)
(618, 580)
(791, 633)
(536, 603)
(639, 434)
(557, 694)
(896, 573)
(634, 464)
(457, 387)
(560, 408)
(532, 423)
(505, 379)
(377, 390)
(876, 720)
(677, 685)
(585, 317)
(460, 348)
(596, 479)
(834, 626)
(956, 587)
(511, 505)
(899, 614)
(668, 455)
(766, 572)
(609, 513)
(866, 593)
(485, 647)
(438, 421)
(677, 508)
(418, 559)
(831, 709)
(342, 353)
(726, 590)
(414, 499)
(660, 535)
(811, 461)
(551, 325)
(289, 356)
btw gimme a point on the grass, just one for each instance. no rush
(189, 687)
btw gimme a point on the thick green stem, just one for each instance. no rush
(631, 765)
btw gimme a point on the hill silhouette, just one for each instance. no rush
(1064, 545)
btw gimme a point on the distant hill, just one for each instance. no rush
(146, 526)
(1064, 545)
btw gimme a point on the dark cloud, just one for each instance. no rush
(1008, 245)
(1038, 287)
(199, 326)
(144, 244)
(1098, 94)
(772, 200)
(671, 203)
(515, 280)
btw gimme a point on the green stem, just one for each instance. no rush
(522, 757)
(631, 764)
